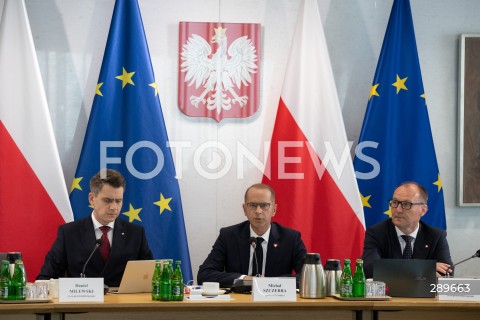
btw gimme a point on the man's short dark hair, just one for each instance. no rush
(261, 186)
(107, 176)
(421, 189)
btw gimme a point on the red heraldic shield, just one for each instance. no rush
(219, 69)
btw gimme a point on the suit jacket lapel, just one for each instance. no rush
(396, 248)
(88, 238)
(421, 247)
(118, 242)
(245, 247)
(272, 249)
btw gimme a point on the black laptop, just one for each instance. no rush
(411, 278)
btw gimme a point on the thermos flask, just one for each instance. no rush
(312, 277)
(333, 272)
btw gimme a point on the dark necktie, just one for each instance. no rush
(408, 251)
(259, 258)
(105, 247)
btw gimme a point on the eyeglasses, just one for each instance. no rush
(406, 205)
(263, 205)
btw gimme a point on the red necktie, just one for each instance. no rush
(105, 247)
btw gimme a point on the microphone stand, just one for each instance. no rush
(98, 243)
(253, 243)
(476, 255)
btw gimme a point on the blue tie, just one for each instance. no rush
(408, 251)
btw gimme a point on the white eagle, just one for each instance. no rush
(221, 72)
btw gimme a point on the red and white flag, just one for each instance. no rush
(33, 193)
(310, 166)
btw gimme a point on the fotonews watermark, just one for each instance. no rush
(214, 159)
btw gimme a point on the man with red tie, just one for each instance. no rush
(119, 241)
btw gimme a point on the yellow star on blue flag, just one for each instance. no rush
(163, 203)
(126, 132)
(396, 143)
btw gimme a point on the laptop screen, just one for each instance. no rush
(137, 276)
(406, 277)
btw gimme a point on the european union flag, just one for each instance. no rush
(126, 132)
(396, 142)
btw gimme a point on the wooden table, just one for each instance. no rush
(425, 308)
(140, 306)
(26, 311)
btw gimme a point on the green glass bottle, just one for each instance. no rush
(19, 280)
(170, 267)
(12, 290)
(177, 282)
(156, 281)
(165, 283)
(4, 279)
(359, 281)
(346, 281)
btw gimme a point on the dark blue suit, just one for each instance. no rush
(230, 255)
(75, 242)
(381, 241)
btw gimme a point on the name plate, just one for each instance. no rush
(274, 289)
(457, 289)
(80, 290)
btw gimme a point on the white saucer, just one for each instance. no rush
(213, 294)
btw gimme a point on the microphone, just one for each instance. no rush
(253, 243)
(98, 243)
(476, 255)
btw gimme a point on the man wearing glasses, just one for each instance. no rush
(404, 235)
(257, 247)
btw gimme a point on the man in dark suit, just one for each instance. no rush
(404, 235)
(121, 241)
(232, 256)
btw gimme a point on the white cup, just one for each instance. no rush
(53, 288)
(211, 287)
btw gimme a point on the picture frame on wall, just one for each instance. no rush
(469, 121)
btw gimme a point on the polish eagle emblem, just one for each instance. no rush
(219, 72)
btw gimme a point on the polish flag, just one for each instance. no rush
(33, 194)
(310, 166)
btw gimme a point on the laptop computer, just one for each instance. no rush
(412, 278)
(137, 276)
